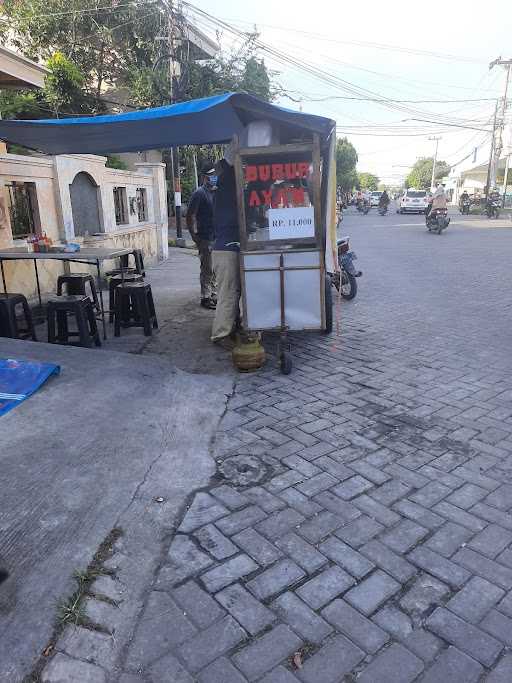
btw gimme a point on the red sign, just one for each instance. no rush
(266, 172)
(283, 194)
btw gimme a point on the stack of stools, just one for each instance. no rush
(9, 322)
(79, 306)
(125, 267)
(134, 307)
(114, 282)
(75, 283)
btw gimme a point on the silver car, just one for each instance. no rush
(375, 198)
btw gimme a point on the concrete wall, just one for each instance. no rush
(52, 177)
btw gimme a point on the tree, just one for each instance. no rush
(256, 79)
(346, 160)
(97, 45)
(62, 93)
(420, 176)
(114, 46)
(367, 181)
(63, 86)
(105, 43)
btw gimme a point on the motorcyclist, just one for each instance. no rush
(438, 201)
(464, 197)
(494, 195)
(384, 200)
(493, 203)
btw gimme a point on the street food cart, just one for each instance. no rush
(286, 193)
(285, 286)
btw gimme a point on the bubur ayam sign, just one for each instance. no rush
(277, 184)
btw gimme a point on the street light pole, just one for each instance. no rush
(436, 139)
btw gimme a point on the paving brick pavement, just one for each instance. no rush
(376, 536)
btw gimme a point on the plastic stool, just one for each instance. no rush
(134, 307)
(81, 308)
(76, 284)
(115, 282)
(9, 323)
(138, 267)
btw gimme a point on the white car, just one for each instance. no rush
(413, 201)
(374, 198)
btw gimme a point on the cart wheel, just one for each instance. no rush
(328, 304)
(285, 363)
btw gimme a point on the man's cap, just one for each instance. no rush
(208, 168)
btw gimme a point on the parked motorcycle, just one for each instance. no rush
(465, 205)
(493, 208)
(345, 280)
(437, 220)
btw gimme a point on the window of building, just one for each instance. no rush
(142, 204)
(23, 209)
(120, 205)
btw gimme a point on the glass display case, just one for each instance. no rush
(282, 240)
(279, 196)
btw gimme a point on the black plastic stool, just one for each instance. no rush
(134, 307)
(115, 282)
(138, 267)
(9, 326)
(76, 285)
(80, 307)
(138, 257)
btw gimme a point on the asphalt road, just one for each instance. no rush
(453, 289)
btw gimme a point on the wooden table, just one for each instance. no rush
(91, 256)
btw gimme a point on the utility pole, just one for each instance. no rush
(174, 73)
(491, 153)
(497, 142)
(436, 140)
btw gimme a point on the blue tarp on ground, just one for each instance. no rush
(19, 379)
(209, 120)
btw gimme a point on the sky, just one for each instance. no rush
(381, 48)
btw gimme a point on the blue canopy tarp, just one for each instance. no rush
(209, 120)
(19, 379)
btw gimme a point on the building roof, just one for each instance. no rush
(17, 71)
(202, 46)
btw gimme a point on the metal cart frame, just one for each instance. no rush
(282, 247)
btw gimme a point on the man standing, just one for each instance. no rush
(226, 254)
(200, 226)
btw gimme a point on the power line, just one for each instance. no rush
(313, 70)
(453, 125)
(359, 43)
(380, 135)
(416, 82)
(372, 99)
(392, 77)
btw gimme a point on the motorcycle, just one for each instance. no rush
(383, 209)
(493, 208)
(345, 280)
(363, 207)
(465, 206)
(437, 220)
